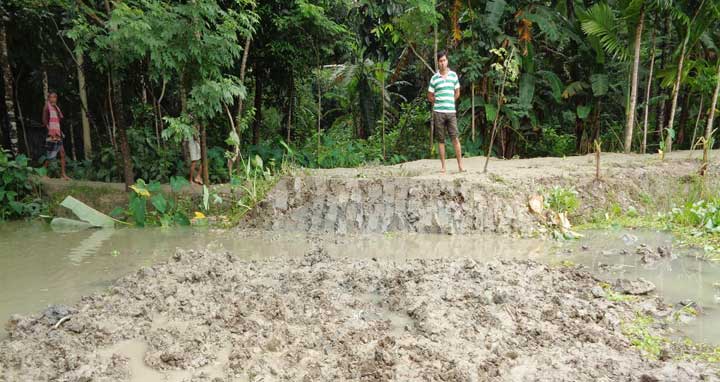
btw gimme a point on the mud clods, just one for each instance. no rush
(206, 316)
(348, 205)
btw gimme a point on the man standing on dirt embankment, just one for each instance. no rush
(443, 92)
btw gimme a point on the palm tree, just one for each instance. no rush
(601, 22)
(694, 27)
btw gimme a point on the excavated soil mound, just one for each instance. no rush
(415, 197)
(209, 316)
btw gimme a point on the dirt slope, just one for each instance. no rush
(416, 197)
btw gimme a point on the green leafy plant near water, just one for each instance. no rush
(562, 199)
(692, 214)
(252, 183)
(640, 331)
(164, 212)
(19, 190)
(640, 335)
(702, 215)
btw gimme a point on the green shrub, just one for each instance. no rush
(19, 188)
(703, 215)
(561, 199)
(164, 211)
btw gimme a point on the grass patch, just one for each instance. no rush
(690, 350)
(252, 185)
(693, 217)
(639, 333)
(613, 296)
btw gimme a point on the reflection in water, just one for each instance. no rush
(90, 245)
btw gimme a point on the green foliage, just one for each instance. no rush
(551, 142)
(702, 215)
(19, 189)
(600, 84)
(640, 335)
(252, 182)
(568, 75)
(600, 22)
(149, 206)
(561, 199)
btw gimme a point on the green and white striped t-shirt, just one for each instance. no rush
(444, 90)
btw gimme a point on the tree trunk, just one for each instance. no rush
(630, 116)
(87, 140)
(21, 120)
(319, 113)
(697, 122)
(291, 101)
(676, 90)
(579, 131)
(203, 154)
(713, 105)
(73, 151)
(116, 102)
(643, 147)
(45, 81)
(122, 139)
(435, 60)
(367, 111)
(472, 111)
(662, 107)
(382, 84)
(8, 82)
(258, 107)
(501, 95)
(684, 115)
(109, 120)
(243, 70)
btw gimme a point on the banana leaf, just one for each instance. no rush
(87, 214)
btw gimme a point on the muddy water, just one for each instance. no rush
(613, 254)
(39, 266)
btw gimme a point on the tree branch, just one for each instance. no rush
(420, 58)
(91, 14)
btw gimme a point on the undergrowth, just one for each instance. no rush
(693, 217)
(641, 334)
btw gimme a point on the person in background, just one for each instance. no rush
(51, 118)
(195, 170)
(443, 92)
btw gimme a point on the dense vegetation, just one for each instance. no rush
(343, 82)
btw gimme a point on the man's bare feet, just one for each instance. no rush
(442, 171)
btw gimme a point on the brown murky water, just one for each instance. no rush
(612, 254)
(39, 267)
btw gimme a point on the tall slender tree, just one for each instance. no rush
(8, 88)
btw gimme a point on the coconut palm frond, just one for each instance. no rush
(600, 21)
